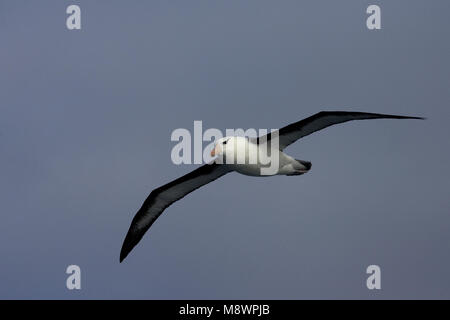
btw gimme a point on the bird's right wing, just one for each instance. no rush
(162, 197)
(291, 133)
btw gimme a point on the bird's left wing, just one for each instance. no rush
(291, 133)
(162, 197)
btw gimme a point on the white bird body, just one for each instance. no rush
(247, 157)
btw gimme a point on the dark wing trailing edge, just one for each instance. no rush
(321, 120)
(162, 197)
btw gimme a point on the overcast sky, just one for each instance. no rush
(85, 124)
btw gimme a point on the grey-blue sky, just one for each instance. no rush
(85, 127)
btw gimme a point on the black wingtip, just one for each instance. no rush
(418, 118)
(381, 115)
(132, 238)
(126, 247)
(123, 255)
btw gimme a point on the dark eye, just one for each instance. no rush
(224, 142)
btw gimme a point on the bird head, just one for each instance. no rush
(220, 146)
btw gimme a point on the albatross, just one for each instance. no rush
(231, 147)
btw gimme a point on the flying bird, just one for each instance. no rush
(229, 150)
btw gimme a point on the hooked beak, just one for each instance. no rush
(213, 152)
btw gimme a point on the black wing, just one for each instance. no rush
(162, 197)
(321, 120)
